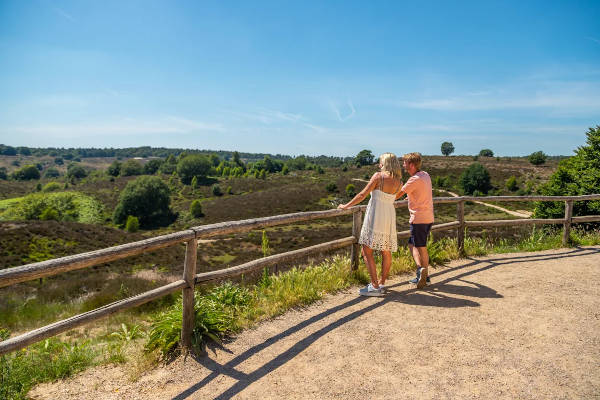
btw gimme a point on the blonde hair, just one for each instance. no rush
(390, 163)
(414, 159)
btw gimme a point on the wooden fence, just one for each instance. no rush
(190, 237)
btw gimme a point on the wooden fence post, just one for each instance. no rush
(189, 275)
(460, 233)
(356, 227)
(567, 223)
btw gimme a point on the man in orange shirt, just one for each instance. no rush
(420, 205)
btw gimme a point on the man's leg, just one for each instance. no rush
(415, 254)
(370, 263)
(424, 257)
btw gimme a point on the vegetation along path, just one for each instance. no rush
(521, 325)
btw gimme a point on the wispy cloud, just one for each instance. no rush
(266, 116)
(127, 126)
(64, 14)
(338, 113)
(593, 39)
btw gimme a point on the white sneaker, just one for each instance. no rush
(369, 290)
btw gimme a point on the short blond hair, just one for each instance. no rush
(414, 159)
(390, 163)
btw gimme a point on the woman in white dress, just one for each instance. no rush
(379, 225)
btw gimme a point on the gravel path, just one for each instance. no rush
(509, 326)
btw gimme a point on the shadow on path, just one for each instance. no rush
(436, 295)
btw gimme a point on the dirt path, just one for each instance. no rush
(505, 326)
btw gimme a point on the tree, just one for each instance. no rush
(24, 151)
(577, 175)
(59, 161)
(285, 170)
(537, 158)
(216, 190)
(475, 178)
(131, 168)
(331, 187)
(364, 157)
(511, 183)
(76, 171)
(114, 169)
(196, 209)
(26, 173)
(51, 173)
(7, 150)
(447, 148)
(486, 153)
(152, 166)
(148, 199)
(3, 174)
(193, 165)
(132, 224)
(350, 190)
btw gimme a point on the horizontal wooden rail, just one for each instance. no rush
(41, 269)
(504, 222)
(586, 218)
(47, 331)
(257, 265)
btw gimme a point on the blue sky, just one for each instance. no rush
(303, 77)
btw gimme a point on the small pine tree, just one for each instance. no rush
(216, 190)
(511, 183)
(265, 244)
(132, 224)
(263, 174)
(194, 182)
(229, 190)
(351, 190)
(285, 170)
(196, 209)
(331, 187)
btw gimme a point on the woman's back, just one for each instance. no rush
(388, 184)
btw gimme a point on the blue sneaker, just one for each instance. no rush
(414, 281)
(369, 290)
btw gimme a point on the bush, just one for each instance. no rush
(49, 214)
(167, 168)
(511, 183)
(148, 199)
(193, 165)
(51, 173)
(285, 170)
(114, 169)
(216, 190)
(152, 166)
(196, 209)
(27, 173)
(320, 170)
(577, 175)
(350, 190)
(331, 187)
(263, 174)
(229, 190)
(3, 174)
(51, 187)
(70, 206)
(447, 148)
(58, 161)
(486, 153)
(537, 158)
(476, 177)
(132, 224)
(76, 171)
(131, 168)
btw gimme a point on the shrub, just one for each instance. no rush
(167, 168)
(48, 214)
(285, 170)
(447, 148)
(51, 187)
(331, 187)
(76, 171)
(577, 175)
(216, 190)
(320, 170)
(58, 161)
(350, 190)
(152, 166)
(148, 199)
(486, 153)
(193, 165)
(51, 173)
(476, 177)
(132, 224)
(511, 183)
(229, 190)
(114, 169)
(3, 174)
(131, 168)
(194, 183)
(266, 250)
(26, 173)
(196, 209)
(537, 158)
(70, 206)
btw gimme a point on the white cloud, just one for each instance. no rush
(338, 114)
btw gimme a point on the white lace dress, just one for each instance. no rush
(379, 225)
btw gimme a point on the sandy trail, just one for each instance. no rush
(523, 325)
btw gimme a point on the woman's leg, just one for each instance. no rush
(386, 263)
(370, 263)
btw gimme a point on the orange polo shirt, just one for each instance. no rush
(420, 198)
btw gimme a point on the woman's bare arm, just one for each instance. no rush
(363, 193)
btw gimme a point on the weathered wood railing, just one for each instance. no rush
(190, 237)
